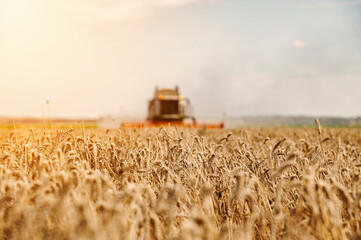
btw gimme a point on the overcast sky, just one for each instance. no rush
(97, 57)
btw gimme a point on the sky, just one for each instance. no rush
(93, 58)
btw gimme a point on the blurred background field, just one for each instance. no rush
(230, 122)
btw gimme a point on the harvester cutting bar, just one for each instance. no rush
(149, 124)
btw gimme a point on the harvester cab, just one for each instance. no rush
(168, 105)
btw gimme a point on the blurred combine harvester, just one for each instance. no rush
(169, 108)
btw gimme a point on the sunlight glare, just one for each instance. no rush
(18, 15)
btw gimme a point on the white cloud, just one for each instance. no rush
(123, 9)
(299, 43)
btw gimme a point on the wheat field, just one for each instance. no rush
(170, 183)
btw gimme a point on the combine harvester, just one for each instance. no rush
(169, 108)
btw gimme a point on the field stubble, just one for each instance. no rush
(171, 183)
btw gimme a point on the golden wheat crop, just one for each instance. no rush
(171, 183)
